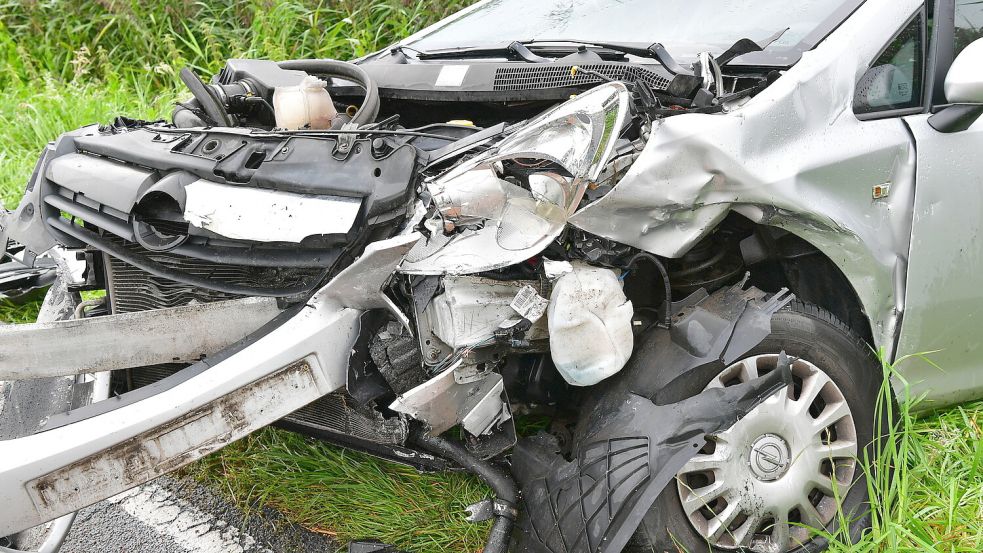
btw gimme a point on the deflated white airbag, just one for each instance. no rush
(589, 324)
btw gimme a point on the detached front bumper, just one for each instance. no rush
(120, 443)
(296, 363)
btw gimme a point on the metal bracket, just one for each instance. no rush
(487, 509)
(111, 342)
(346, 139)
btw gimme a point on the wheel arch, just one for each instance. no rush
(777, 258)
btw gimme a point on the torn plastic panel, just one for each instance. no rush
(26, 223)
(706, 330)
(632, 449)
(266, 215)
(707, 334)
(19, 276)
(442, 403)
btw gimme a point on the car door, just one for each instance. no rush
(944, 300)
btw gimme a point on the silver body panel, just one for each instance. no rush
(945, 300)
(115, 451)
(795, 157)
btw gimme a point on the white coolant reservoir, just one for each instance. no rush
(589, 325)
(306, 105)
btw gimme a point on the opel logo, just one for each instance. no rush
(769, 458)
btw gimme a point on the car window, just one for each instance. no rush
(894, 81)
(969, 23)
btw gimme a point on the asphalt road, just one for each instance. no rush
(175, 516)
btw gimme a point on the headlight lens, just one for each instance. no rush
(516, 198)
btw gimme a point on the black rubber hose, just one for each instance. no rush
(665, 280)
(211, 106)
(498, 480)
(370, 105)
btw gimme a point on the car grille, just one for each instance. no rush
(133, 289)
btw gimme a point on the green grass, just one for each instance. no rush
(21, 310)
(345, 494)
(926, 478)
(67, 64)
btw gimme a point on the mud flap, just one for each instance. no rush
(595, 503)
(630, 443)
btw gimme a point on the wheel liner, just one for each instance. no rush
(628, 446)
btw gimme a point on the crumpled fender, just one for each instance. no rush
(630, 443)
(793, 157)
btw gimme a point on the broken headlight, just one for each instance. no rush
(507, 204)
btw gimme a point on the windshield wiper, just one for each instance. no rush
(746, 46)
(655, 51)
(514, 48)
(520, 49)
(659, 53)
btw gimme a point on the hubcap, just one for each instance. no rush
(779, 471)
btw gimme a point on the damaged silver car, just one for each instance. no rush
(677, 230)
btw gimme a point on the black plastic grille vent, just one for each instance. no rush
(544, 76)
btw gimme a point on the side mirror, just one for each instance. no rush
(964, 81)
(964, 90)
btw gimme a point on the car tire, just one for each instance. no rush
(804, 332)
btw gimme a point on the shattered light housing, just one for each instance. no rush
(493, 222)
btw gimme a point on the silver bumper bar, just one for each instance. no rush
(181, 334)
(49, 474)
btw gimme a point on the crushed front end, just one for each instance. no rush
(380, 286)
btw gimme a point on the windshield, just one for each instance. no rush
(685, 27)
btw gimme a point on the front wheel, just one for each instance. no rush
(789, 465)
